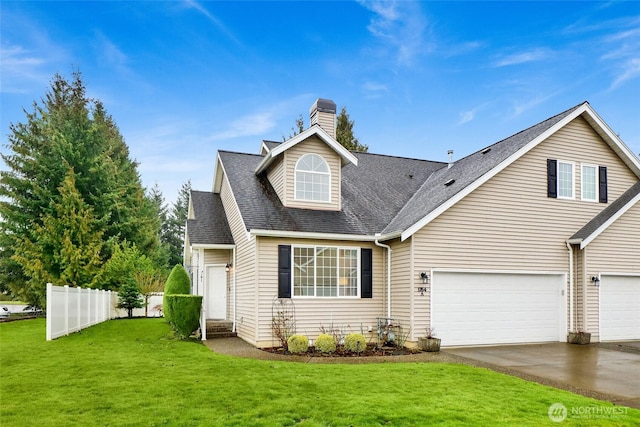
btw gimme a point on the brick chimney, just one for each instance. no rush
(323, 113)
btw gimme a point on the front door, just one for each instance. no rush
(216, 292)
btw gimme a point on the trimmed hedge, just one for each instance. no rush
(326, 343)
(185, 309)
(298, 344)
(356, 343)
(178, 283)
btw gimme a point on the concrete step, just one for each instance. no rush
(220, 329)
(213, 335)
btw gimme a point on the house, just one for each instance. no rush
(519, 242)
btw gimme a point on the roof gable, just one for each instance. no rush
(208, 223)
(448, 186)
(608, 216)
(275, 151)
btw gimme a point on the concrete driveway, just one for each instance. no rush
(592, 370)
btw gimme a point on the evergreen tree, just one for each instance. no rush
(65, 132)
(174, 235)
(344, 133)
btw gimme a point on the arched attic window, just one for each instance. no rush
(313, 177)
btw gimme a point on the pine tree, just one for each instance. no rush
(68, 131)
(344, 133)
(174, 236)
(66, 248)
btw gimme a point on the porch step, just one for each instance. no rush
(220, 329)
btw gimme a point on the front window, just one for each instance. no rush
(312, 179)
(589, 183)
(565, 180)
(325, 271)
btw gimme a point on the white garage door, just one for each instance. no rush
(619, 307)
(469, 308)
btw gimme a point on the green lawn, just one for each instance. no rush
(131, 372)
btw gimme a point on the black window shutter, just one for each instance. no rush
(602, 178)
(284, 271)
(552, 178)
(366, 273)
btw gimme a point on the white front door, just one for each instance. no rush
(216, 299)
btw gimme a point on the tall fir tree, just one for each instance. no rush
(174, 235)
(344, 133)
(69, 131)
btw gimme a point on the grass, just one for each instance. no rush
(133, 373)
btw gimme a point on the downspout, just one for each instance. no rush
(570, 249)
(388, 248)
(233, 284)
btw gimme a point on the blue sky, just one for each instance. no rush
(183, 79)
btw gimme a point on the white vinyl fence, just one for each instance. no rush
(72, 309)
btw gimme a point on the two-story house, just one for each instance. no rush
(521, 241)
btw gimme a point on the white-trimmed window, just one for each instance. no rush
(312, 179)
(590, 183)
(565, 180)
(325, 271)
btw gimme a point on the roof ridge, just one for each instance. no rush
(238, 152)
(396, 157)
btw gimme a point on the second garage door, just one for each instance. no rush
(476, 308)
(619, 307)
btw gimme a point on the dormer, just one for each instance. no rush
(305, 171)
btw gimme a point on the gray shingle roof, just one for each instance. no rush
(465, 171)
(383, 194)
(271, 144)
(372, 193)
(210, 224)
(607, 213)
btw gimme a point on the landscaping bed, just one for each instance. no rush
(370, 351)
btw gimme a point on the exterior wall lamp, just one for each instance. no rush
(425, 278)
(595, 280)
(227, 267)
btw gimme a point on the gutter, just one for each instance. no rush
(388, 248)
(570, 249)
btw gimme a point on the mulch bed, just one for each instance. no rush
(371, 350)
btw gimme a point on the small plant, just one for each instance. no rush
(337, 331)
(431, 332)
(402, 336)
(129, 298)
(298, 344)
(355, 343)
(283, 323)
(325, 343)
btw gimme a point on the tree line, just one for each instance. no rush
(73, 210)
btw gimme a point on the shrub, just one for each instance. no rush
(325, 343)
(178, 283)
(185, 309)
(355, 343)
(298, 344)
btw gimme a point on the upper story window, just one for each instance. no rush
(565, 180)
(312, 180)
(590, 183)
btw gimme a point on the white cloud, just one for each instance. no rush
(374, 90)
(522, 57)
(17, 66)
(400, 26)
(248, 125)
(192, 4)
(630, 70)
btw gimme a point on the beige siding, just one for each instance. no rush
(327, 121)
(401, 283)
(316, 146)
(312, 313)
(276, 178)
(244, 268)
(616, 250)
(509, 223)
